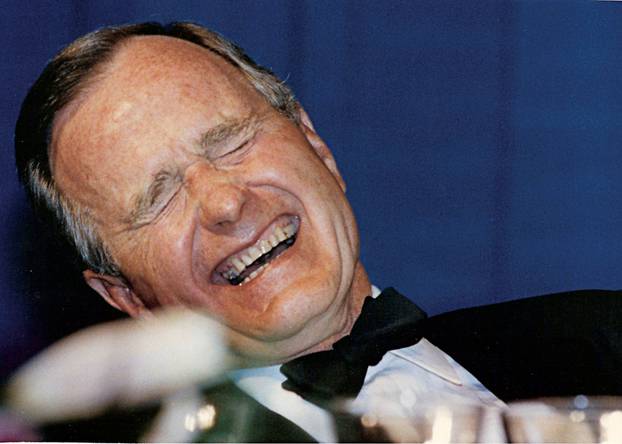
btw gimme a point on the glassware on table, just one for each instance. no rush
(427, 422)
(565, 420)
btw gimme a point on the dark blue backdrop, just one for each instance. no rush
(480, 141)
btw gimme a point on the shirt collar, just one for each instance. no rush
(429, 357)
(426, 355)
(423, 354)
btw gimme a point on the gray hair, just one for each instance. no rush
(61, 81)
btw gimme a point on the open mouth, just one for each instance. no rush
(244, 266)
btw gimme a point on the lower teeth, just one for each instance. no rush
(253, 274)
(239, 280)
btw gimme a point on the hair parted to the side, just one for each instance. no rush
(62, 80)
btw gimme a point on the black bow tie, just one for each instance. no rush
(388, 322)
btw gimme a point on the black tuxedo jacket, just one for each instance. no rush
(555, 345)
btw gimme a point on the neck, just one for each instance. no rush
(360, 289)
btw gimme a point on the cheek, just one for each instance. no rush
(158, 264)
(170, 254)
(294, 168)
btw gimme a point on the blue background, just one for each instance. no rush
(480, 141)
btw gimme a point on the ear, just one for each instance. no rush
(320, 147)
(117, 293)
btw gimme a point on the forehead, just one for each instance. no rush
(155, 95)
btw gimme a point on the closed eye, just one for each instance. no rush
(157, 197)
(232, 137)
(230, 152)
(240, 149)
(163, 199)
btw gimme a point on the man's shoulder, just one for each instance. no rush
(555, 344)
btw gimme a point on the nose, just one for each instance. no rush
(219, 197)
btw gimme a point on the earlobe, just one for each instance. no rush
(320, 147)
(117, 293)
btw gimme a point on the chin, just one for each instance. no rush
(298, 325)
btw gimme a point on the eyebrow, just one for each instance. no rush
(143, 201)
(225, 131)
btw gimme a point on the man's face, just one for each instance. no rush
(190, 176)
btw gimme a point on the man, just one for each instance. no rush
(184, 174)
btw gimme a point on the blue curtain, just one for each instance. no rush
(480, 141)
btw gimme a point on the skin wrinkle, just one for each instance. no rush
(144, 202)
(211, 140)
(308, 296)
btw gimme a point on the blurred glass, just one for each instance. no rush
(568, 420)
(427, 422)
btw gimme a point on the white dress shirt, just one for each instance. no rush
(403, 379)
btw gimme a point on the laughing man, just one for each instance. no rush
(185, 174)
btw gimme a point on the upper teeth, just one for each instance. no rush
(245, 258)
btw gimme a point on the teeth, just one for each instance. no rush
(253, 275)
(279, 234)
(254, 253)
(289, 230)
(265, 246)
(238, 264)
(273, 240)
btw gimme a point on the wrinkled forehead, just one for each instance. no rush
(155, 92)
(153, 87)
(149, 69)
